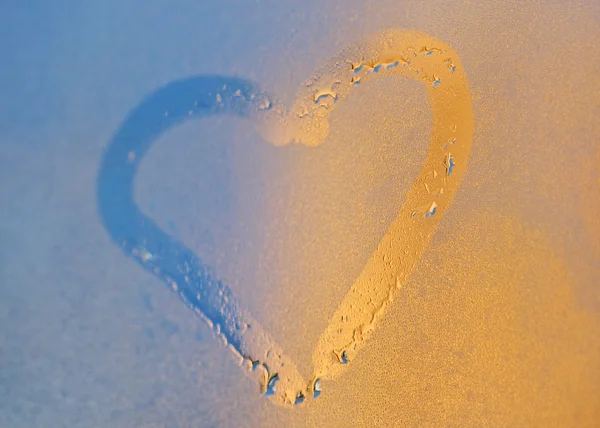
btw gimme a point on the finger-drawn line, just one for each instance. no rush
(391, 52)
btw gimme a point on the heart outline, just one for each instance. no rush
(387, 52)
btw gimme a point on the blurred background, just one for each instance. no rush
(499, 324)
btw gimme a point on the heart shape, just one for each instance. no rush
(404, 53)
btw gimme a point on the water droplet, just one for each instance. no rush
(376, 68)
(450, 64)
(264, 104)
(317, 388)
(393, 65)
(299, 398)
(450, 164)
(428, 52)
(342, 357)
(436, 81)
(324, 94)
(145, 255)
(270, 390)
(449, 143)
(354, 66)
(431, 211)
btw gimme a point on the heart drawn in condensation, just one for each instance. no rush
(391, 52)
